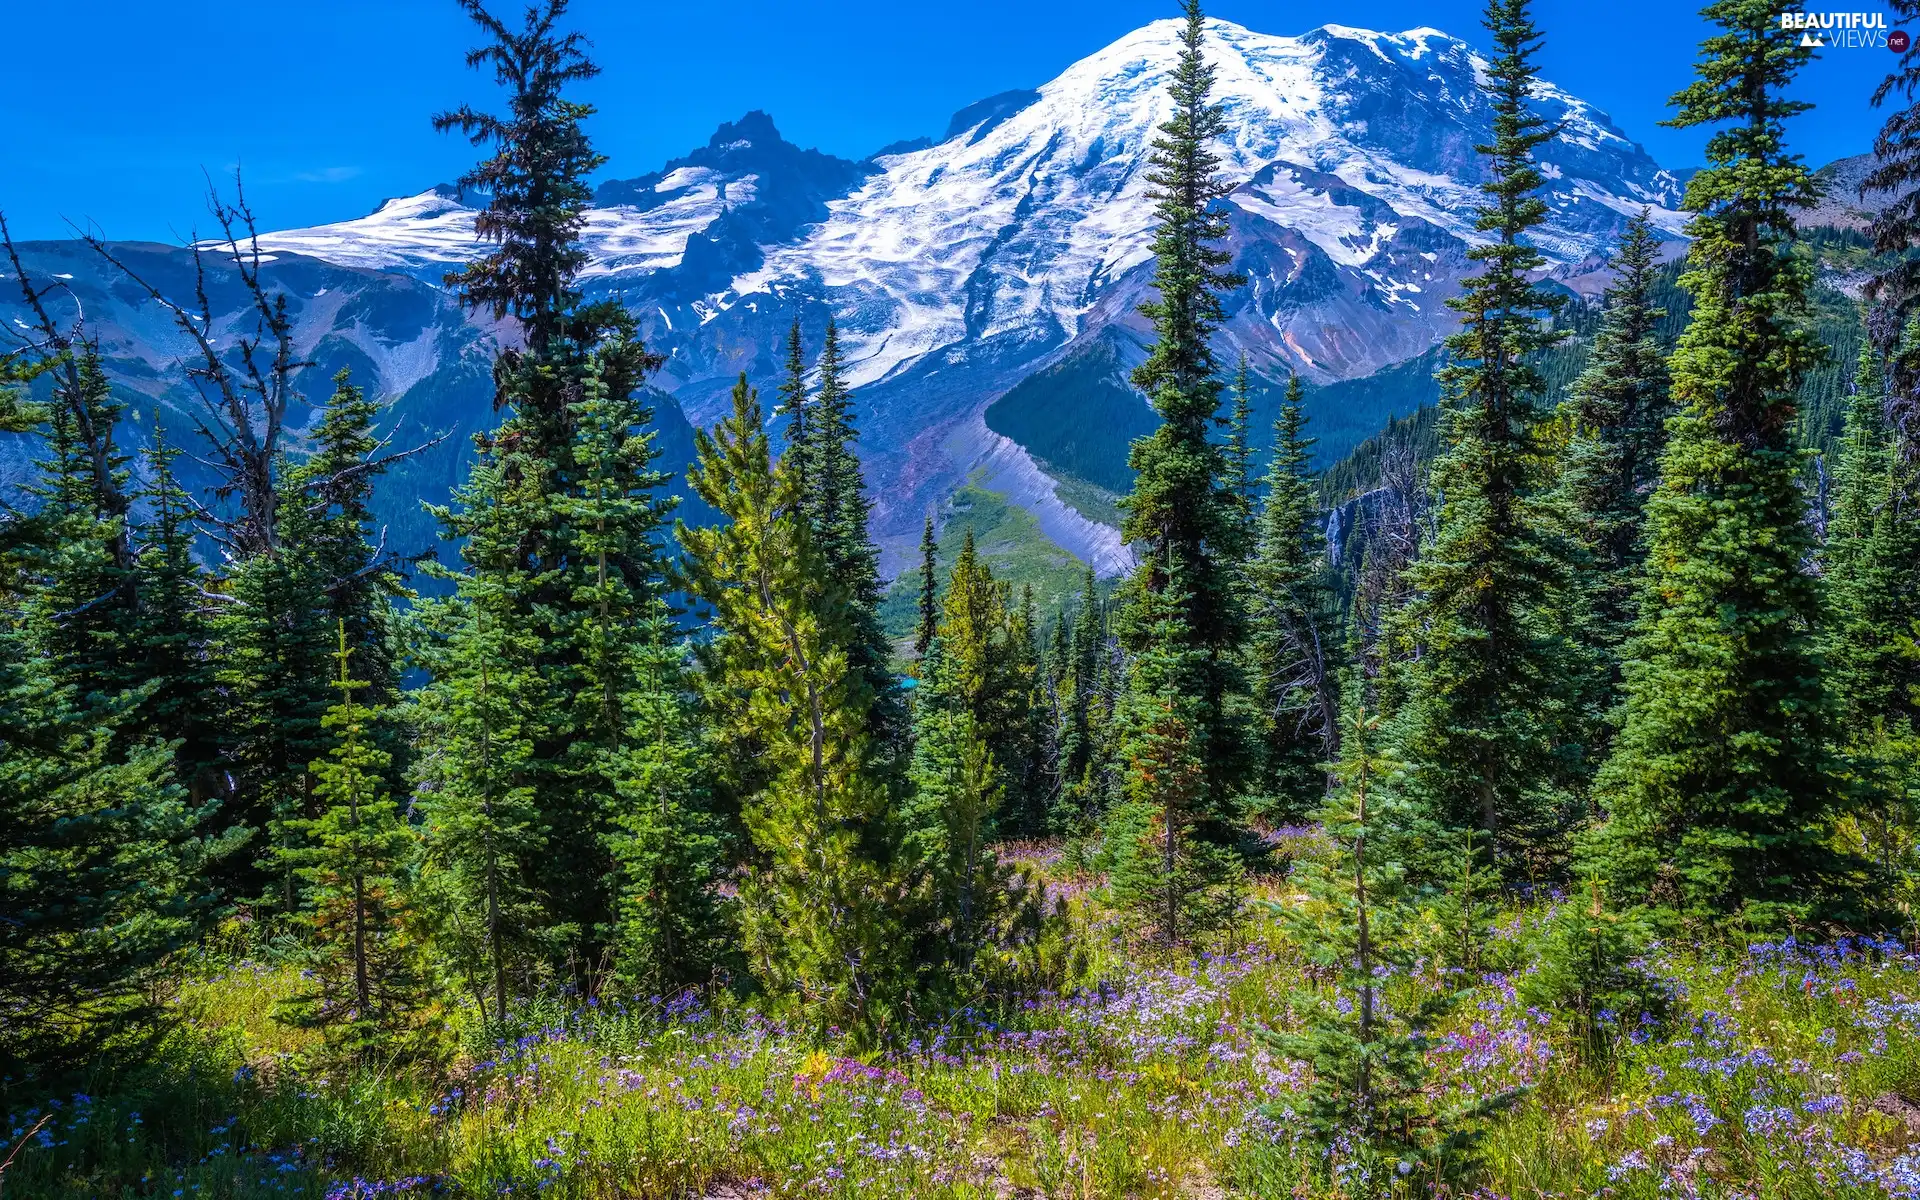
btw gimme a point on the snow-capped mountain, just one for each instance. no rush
(1016, 247)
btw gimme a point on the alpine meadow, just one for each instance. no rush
(1278, 616)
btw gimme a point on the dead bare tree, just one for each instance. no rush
(63, 349)
(246, 391)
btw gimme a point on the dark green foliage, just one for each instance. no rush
(1871, 639)
(1366, 1108)
(1237, 453)
(1722, 787)
(363, 959)
(1487, 714)
(1166, 850)
(979, 911)
(1587, 970)
(564, 518)
(172, 635)
(929, 624)
(482, 829)
(1181, 512)
(1291, 620)
(104, 858)
(1620, 408)
(1081, 677)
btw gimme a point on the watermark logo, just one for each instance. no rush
(1843, 30)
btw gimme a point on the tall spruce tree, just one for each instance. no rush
(1486, 717)
(1237, 453)
(580, 575)
(1291, 617)
(172, 634)
(929, 624)
(1083, 676)
(1620, 407)
(1182, 509)
(1722, 786)
(1871, 637)
(832, 489)
(823, 895)
(483, 832)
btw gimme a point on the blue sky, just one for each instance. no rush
(326, 104)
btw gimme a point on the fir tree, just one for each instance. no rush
(793, 402)
(1083, 675)
(482, 828)
(577, 566)
(1587, 970)
(1896, 220)
(1167, 859)
(986, 668)
(1237, 454)
(1620, 409)
(976, 902)
(333, 524)
(1290, 614)
(1869, 640)
(1486, 716)
(1722, 787)
(929, 592)
(363, 960)
(1182, 508)
(832, 492)
(820, 902)
(1366, 1107)
(99, 892)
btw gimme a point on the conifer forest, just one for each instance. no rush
(1523, 803)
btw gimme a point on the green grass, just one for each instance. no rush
(1783, 1074)
(1011, 541)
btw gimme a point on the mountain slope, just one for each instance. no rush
(1019, 241)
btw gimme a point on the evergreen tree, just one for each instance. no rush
(82, 615)
(1722, 786)
(793, 402)
(1182, 508)
(1586, 969)
(929, 592)
(171, 635)
(976, 903)
(578, 572)
(1167, 857)
(1486, 716)
(1620, 408)
(1079, 673)
(333, 524)
(664, 841)
(1896, 220)
(99, 893)
(270, 655)
(1237, 454)
(363, 960)
(832, 491)
(820, 903)
(1366, 1107)
(483, 830)
(1290, 614)
(1871, 639)
(986, 668)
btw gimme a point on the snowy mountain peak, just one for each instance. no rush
(955, 270)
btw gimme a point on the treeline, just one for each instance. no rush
(1621, 645)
